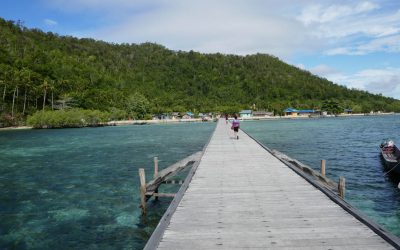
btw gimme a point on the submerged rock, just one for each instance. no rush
(70, 214)
(126, 220)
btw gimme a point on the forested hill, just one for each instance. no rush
(44, 70)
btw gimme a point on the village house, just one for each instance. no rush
(295, 112)
(262, 113)
(348, 111)
(187, 115)
(245, 114)
(175, 115)
(306, 112)
(205, 116)
(291, 112)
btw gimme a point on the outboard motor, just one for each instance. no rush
(387, 143)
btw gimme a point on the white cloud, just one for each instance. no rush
(300, 66)
(338, 51)
(390, 44)
(384, 81)
(96, 5)
(318, 13)
(50, 22)
(278, 27)
(366, 26)
(323, 70)
(213, 26)
(353, 29)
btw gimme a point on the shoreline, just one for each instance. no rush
(172, 121)
(16, 128)
(314, 117)
(143, 122)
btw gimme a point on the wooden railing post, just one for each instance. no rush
(142, 190)
(323, 163)
(155, 167)
(342, 187)
(156, 174)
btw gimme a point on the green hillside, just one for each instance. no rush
(46, 71)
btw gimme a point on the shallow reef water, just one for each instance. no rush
(79, 188)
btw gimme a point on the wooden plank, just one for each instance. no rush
(241, 196)
(217, 242)
(166, 195)
(178, 182)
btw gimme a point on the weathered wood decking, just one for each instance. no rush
(243, 197)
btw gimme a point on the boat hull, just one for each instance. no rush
(391, 157)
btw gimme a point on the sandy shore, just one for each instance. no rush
(14, 128)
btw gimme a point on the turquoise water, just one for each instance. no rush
(350, 147)
(78, 188)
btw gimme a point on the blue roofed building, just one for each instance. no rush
(306, 112)
(290, 112)
(298, 112)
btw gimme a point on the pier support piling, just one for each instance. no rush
(156, 175)
(142, 176)
(155, 167)
(323, 164)
(342, 187)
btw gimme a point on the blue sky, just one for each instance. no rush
(352, 43)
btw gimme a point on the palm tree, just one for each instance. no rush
(5, 69)
(4, 90)
(16, 81)
(44, 86)
(26, 77)
(65, 102)
(13, 100)
(52, 87)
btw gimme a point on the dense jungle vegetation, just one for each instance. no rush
(44, 71)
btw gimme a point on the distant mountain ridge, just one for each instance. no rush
(41, 70)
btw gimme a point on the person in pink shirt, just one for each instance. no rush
(235, 127)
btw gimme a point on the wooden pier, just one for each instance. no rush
(240, 196)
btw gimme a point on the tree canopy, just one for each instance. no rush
(45, 71)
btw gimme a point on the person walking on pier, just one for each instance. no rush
(235, 127)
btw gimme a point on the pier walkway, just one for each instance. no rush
(242, 197)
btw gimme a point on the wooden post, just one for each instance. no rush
(323, 163)
(342, 187)
(156, 174)
(155, 167)
(142, 190)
